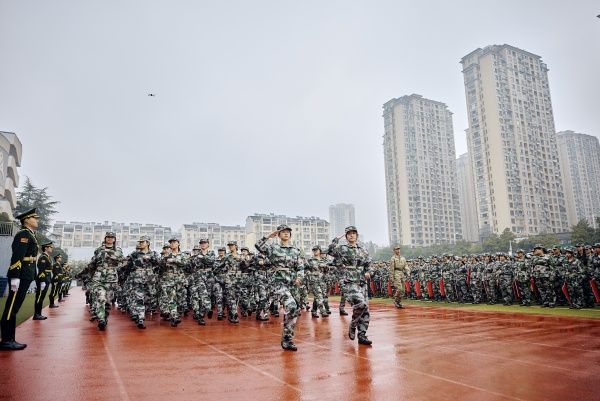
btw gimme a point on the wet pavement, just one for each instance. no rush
(419, 353)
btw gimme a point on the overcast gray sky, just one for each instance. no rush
(260, 106)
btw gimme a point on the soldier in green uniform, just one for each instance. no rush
(288, 273)
(141, 265)
(203, 263)
(56, 279)
(43, 280)
(574, 273)
(313, 275)
(220, 277)
(355, 264)
(172, 267)
(522, 274)
(399, 271)
(20, 274)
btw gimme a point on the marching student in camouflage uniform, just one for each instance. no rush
(423, 277)
(105, 262)
(288, 272)
(204, 281)
(172, 266)
(399, 271)
(313, 275)
(220, 277)
(245, 282)
(522, 274)
(448, 267)
(558, 260)
(230, 265)
(475, 269)
(574, 273)
(435, 270)
(460, 277)
(355, 264)
(327, 280)
(261, 286)
(141, 265)
(504, 271)
(543, 274)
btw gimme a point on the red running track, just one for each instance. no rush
(419, 353)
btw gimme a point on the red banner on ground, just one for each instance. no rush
(566, 292)
(469, 276)
(430, 289)
(595, 289)
(418, 289)
(390, 292)
(337, 288)
(442, 289)
(516, 288)
(373, 287)
(407, 284)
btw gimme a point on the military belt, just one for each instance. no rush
(350, 267)
(285, 269)
(173, 274)
(29, 258)
(205, 270)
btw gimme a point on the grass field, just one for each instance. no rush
(26, 310)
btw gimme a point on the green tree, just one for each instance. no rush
(582, 232)
(491, 243)
(33, 197)
(462, 247)
(4, 217)
(506, 238)
(384, 254)
(548, 240)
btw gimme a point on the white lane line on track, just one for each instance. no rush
(113, 366)
(407, 369)
(262, 372)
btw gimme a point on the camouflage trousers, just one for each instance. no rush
(170, 294)
(525, 291)
(104, 293)
(283, 294)
(218, 289)
(230, 293)
(184, 292)
(546, 290)
(435, 283)
(449, 290)
(244, 291)
(575, 289)
(357, 297)
(506, 288)
(200, 292)
(325, 292)
(315, 285)
(400, 287)
(490, 286)
(261, 292)
(476, 290)
(343, 298)
(140, 294)
(303, 295)
(461, 287)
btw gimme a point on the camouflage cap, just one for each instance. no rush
(166, 245)
(232, 243)
(245, 248)
(316, 247)
(396, 247)
(110, 234)
(144, 238)
(350, 228)
(221, 248)
(570, 250)
(173, 239)
(283, 227)
(498, 254)
(597, 245)
(588, 247)
(580, 244)
(539, 246)
(420, 256)
(520, 251)
(203, 240)
(434, 257)
(556, 247)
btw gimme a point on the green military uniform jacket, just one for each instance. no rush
(24, 255)
(44, 266)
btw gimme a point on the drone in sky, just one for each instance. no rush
(151, 94)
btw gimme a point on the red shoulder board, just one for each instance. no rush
(25, 240)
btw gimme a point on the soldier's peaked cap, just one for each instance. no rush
(27, 214)
(172, 239)
(144, 238)
(350, 228)
(231, 243)
(110, 234)
(284, 227)
(47, 243)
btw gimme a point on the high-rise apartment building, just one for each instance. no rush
(580, 163)
(466, 196)
(512, 142)
(341, 216)
(10, 159)
(420, 170)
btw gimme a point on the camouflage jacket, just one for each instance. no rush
(489, 271)
(107, 258)
(435, 271)
(246, 264)
(173, 264)
(448, 271)
(353, 262)
(476, 269)
(137, 260)
(542, 266)
(504, 269)
(461, 270)
(574, 270)
(522, 270)
(229, 264)
(201, 260)
(286, 262)
(312, 265)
